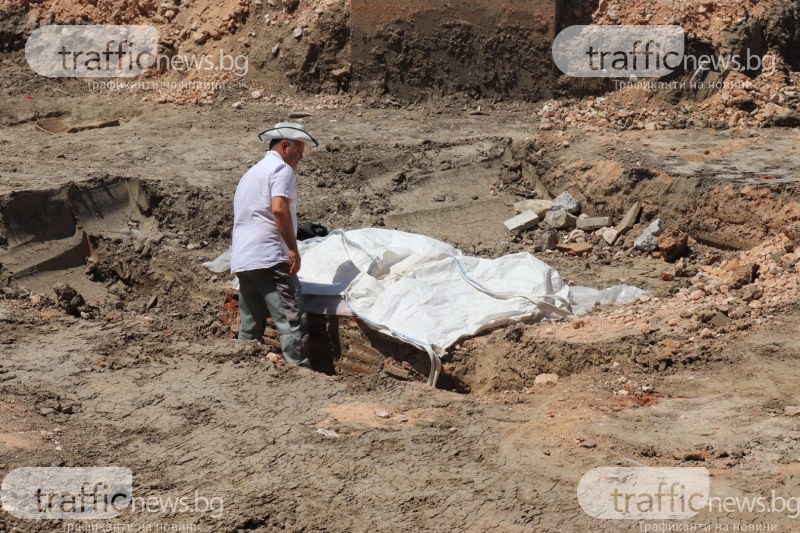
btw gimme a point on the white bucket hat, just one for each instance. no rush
(289, 131)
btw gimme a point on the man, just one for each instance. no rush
(265, 257)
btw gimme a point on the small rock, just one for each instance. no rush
(588, 444)
(382, 414)
(739, 312)
(544, 379)
(707, 334)
(237, 105)
(792, 410)
(752, 293)
(648, 240)
(577, 235)
(697, 295)
(560, 219)
(69, 299)
(297, 32)
(742, 274)
(673, 243)
(566, 202)
(544, 240)
(341, 72)
(720, 320)
(327, 433)
(610, 235)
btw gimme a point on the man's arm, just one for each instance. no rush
(283, 221)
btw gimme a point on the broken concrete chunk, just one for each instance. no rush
(560, 219)
(567, 202)
(648, 240)
(523, 221)
(593, 223)
(544, 240)
(610, 235)
(540, 207)
(628, 221)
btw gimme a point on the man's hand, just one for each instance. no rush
(294, 262)
(283, 221)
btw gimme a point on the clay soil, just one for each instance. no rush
(432, 119)
(158, 385)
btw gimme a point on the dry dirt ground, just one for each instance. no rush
(157, 385)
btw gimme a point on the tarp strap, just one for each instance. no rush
(536, 300)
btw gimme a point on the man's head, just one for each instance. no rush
(289, 140)
(290, 151)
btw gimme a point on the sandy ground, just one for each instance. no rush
(162, 390)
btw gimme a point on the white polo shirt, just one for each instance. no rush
(256, 241)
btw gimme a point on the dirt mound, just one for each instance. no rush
(475, 47)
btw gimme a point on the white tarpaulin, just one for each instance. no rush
(428, 293)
